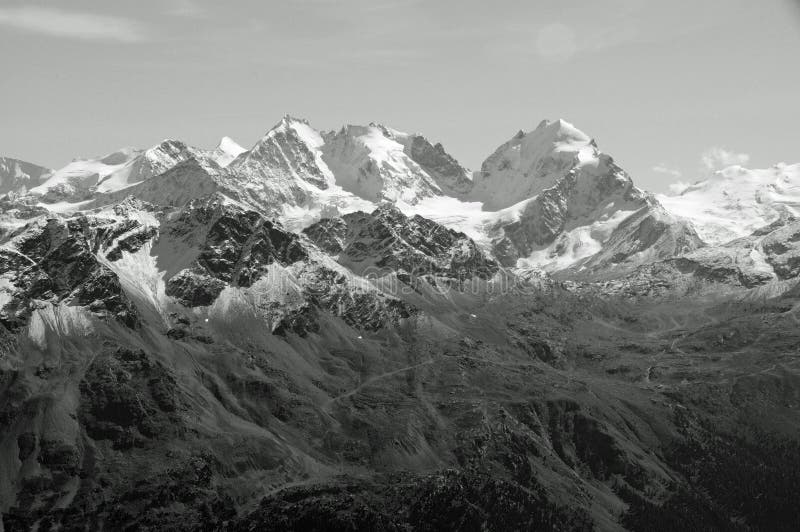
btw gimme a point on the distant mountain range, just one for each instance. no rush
(547, 199)
(349, 330)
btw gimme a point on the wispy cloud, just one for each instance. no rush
(72, 24)
(185, 8)
(663, 169)
(713, 159)
(675, 187)
(717, 158)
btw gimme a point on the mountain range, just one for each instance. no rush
(349, 330)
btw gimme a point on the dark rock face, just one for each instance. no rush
(782, 249)
(331, 291)
(388, 241)
(194, 288)
(128, 398)
(328, 234)
(55, 260)
(235, 247)
(445, 170)
(128, 236)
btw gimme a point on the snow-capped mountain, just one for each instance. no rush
(548, 198)
(735, 201)
(79, 179)
(18, 176)
(349, 329)
(532, 162)
(562, 202)
(289, 151)
(82, 179)
(370, 162)
(226, 151)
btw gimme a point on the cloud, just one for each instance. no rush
(72, 24)
(185, 8)
(718, 158)
(676, 187)
(663, 169)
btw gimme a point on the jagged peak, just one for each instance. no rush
(560, 130)
(285, 123)
(357, 130)
(288, 119)
(291, 126)
(230, 146)
(387, 131)
(170, 143)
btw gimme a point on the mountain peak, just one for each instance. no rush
(229, 145)
(531, 162)
(374, 162)
(560, 130)
(168, 148)
(290, 125)
(290, 154)
(226, 151)
(288, 120)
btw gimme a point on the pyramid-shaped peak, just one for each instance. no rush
(560, 130)
(289, 119)
(228, 145)
(287, 125)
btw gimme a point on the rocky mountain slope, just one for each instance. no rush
(18, 176)
(350, 331)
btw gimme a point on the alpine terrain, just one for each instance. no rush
(348, 330)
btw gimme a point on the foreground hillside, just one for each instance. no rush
(461, 394)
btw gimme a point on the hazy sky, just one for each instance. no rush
(667, 88)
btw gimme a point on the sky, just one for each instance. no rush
(672, 90)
